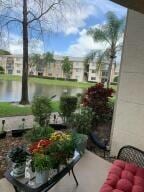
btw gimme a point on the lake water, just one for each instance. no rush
(11, 90)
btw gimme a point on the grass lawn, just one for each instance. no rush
(10, 109)
(48, 81)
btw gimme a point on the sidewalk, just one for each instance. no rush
(16, 121)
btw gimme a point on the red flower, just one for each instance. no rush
(39, 146)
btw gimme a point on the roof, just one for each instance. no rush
(137, 5)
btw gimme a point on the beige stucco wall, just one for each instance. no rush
(128, 122)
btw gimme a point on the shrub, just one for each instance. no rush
(52, 78)
(82, 122)
(2, 71)
(97, 98)
(116, 79)
(68, 105)
(41, 109)
(113, 83)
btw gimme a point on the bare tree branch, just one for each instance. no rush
(9, 17)
(45, 12)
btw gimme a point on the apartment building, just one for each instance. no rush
(55, 69)
(12, 64)
(100, 75)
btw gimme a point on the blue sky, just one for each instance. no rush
(70, 38)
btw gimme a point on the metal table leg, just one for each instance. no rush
(74, 177)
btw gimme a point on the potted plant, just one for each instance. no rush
(81, 123)
(68, 105)
(2, 132)
(19, 132)
(18, 156)
(62, 147)
(41, 161)
(42, 165)
(80, 141)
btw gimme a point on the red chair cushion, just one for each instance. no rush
(124, 185)
(124, 177)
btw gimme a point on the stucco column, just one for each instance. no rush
(128, 120)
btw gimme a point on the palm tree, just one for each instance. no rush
(111, 32)
(36, 60)
(48, 59)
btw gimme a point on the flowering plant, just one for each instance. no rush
(57, 149)
(39, 147)
(60, 136)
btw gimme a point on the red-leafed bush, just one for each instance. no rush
(97, 98)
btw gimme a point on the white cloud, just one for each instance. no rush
(83, 45)
(15, 45)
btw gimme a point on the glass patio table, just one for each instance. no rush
(21, 184)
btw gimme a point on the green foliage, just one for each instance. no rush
(67, 67)
(68, 105)
(48, 58)
(82, 121)
(116, 79)
(61, 150)
(97, 98)
(80, 141)
(18, 154)
(38, 133)
(4, 52)
(41, 109)
(2, 71)
(42, 162)
(35, 60)
(110, 33)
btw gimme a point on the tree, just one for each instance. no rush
(2, 71)
(67, 67)
(4, 52)
(111, 32)
(48, 60)
(30, 16)
(35, 60)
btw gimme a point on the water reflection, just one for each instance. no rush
(11, 90)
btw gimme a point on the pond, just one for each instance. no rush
(10, 91)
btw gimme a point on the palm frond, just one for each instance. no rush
(98, 35)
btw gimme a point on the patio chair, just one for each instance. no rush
(127, 172)
(101, 145)
(131, 154)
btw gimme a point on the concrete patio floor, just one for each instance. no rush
(91, 172)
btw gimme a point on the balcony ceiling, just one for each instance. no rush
(137, 5)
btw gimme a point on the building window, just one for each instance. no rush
(18, 59)
(104, 73)
(18, 71)
(10, 71)
(93, 71)
(78, 70)
(93, 78)
(49, 74)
